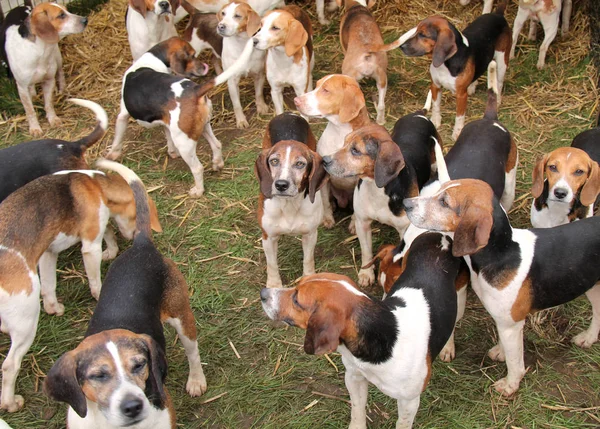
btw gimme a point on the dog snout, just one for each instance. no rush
(327, 161)
(255, 41)
(221, 27)
(409, 204)
(264, 294)
(282, 185)
(164, 5)
(132, 407)
(560, 193)
(298, 102)
(84, 21)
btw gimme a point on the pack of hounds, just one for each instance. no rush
(450, 211)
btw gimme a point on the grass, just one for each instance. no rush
(273, 383)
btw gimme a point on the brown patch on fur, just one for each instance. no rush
(428, 376)
(175, 303)
(463, 81)
(504, 43)
(463, 277)
(47, 21)
(522, 305)
(250, 21)
(14, 273)
(511, 161)
(194, 115)
(142, 6)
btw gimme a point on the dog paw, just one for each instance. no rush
(366, 277)
(496, 353)
(218, 164)
(381, 118)
(331, 6)
(506, 388)
(55, 308)
(456, 133)
(173, 154)
(109, 254)
(113, 155)
(324, 21)
(584, 340)
(436, 119)
(352, 225)
(55, 121)
(472, 88)
(196, 192)
(328, 221)
(262, 108)
(12, 406)
(35, 131)
(242, 123)
(448, 353)
(540, 65)
(274, 283)
(196, 386)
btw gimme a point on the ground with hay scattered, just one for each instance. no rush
(258, 375)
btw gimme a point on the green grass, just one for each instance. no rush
(225, 290)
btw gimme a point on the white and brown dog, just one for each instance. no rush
(115, 377)
(148, 23)
(286, 35)
(29, 44)
(291, 174)
(213, 6)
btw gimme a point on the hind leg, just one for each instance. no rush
(47, 269)
(187, 149)
(92, 260)
(215, 146)
(520, 20)
(510, 183)
(566, 16)
(120, 128)
(501, 58)
(321, 12)
(381, 79)
(588, 337)
(550, 24)
(449, 351)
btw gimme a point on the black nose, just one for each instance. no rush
(264, 294)
(255, 41)
(560, 193)
(163, 5)
(132, 407)
(408, 204)
(327, 160)
(282, 185)
(221, 27)
(85, 21)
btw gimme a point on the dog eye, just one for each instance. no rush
(354, 151)
(300, 164)
(236, 16)
(552, 168)
(275, 28)
(443, 202)
(100, 377)
(62, 16)
(295, 298)
(324, 90)
(274, 162)
(138, 367)
(578, 172)
(421, 35)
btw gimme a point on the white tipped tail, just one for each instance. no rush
(410, 33)
(440, 163)
(125, 172)
(427, 106)
(237, 67)
(94, 107)
(493, 77)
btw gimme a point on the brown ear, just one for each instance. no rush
(140, 6)
(178, 62)
(352, 102)
(61, 384)
(263, 172)
(253, 23)
(296, 38)
(174, 5)
(445, 47)
(388, 164)
(318, 176)
(473, 231)
(155, 390)
(154, 222)
(41, 27)
(591, 188)
(323, 332)
(537, 186)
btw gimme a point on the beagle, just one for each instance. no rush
(29, 42)
(286, 35)
(334, 5)
(213, 6)
(115, 377)
(548, 13)
(459, 59)
(201, 34)
(388, 170)
(337, 98)
(389, 343)
(37, 221)
(291, 174)
(238, 22)
(568, 191)
(148, 23)
(487, 5)
(154, 97)
(514, 272)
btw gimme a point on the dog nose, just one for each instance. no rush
(255, 41)
(221, 27)
(327, 160)
(282, 185)
(163, 5)
(264, 294)
(408, 204)
(297, 101)
(560, 193)
(132, 407)
(84, 21)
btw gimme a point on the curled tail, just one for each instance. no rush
(427, 106)
(101, 126)
(440, 162)
(491, 109)
(142, 216)
(395, 44)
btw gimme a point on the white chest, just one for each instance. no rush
(30, 62)
(232, 50)
(282, 69)
(371, 202)
(332, 138)
(554, 214)
(290, 216)
(158, 419)
(442, 78)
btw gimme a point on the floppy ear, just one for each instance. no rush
(154, 222)
(323, 332)
(61, 384)
(155, 391)
(174, 5)
(41, 27)
(296, 38)
(445, 47)
(473, 231)
(263, 172)
(352, 101)
(140, 6)
(178, 62)
(388, 164)
(537, 186)
(318, 176)
(253, 23)
(591, 188)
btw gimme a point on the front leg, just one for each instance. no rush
(461, 109)
(25, 95)
(92, 259)
(366, 276)
(511, 338)
(277, 97)
(358, 388)
(436, 94)
(588, 337)
(112, 248)
(47, 269)
(259, 86)
(407, 410)
(48, 87)
(328, 219)
(321, 12)
(233, 85)
(522, 15)
(449, 351)
(270, 249)
(309, 241)
(60, 73)
(381, 90)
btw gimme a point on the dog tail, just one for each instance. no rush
(101, 126)
(395, 44)
(142, 208)
(501, 7)
(427, 106)
(491, 109)
(440, 162)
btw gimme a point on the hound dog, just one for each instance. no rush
(154, 97)
(291, 174)
(37, 221)
(238, 22)
(214, 6)
(390, 343)
(514, 272)
(29, 43)
(337, 98)
(115, 377)
(201, 34)
(458, 59)
(286, 35)
(149, 22)
(548, 13)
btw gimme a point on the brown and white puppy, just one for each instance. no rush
(286, 35)
(148, 23)
(29, 44)
(291, 174)
(338, 99)
(566, 183)
(548, 13)
(514, 272)
(115, 377)
(37, 221)
(459, 59)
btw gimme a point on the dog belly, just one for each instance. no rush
(442, 78)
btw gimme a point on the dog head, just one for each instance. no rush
(51, 22)
(180, 57)
(280, 28)
(237, 17)
(288, 169)
(571, 175)
(435, 36)
(122, 372)
(158, 7)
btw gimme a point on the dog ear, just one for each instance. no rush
(140, 6)
(174, 5)
(380, 256)
(155, 391)
(253, 23)
(263, 173)
(318, 176)
(591, 187)
(389, 162)
(445, 47)
(352, 102)
(537, 185)
(154, 221)
(370, 4)
(296, 38)
(473, 231)
(323, 332)
(43, 28)
(61, 384)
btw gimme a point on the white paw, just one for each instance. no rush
(496, 353)
(242, 123)
(217, 165)
(173, 154)
(262, 108)
(472, 88)
(328, 221)
(55, 308)
(354, 425)
(448, 352)
(540, 65)
(35, 130)
(109, 254)
(95, 292)
(456, 133)
(366, 277)
(512, 55)
(381, 118)
(196, 192)
(584, 340)
(113, 155)
(505, 388)
(196, 386)
(55, 121)
(324, 21)
(331, 6)
(15, 405)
